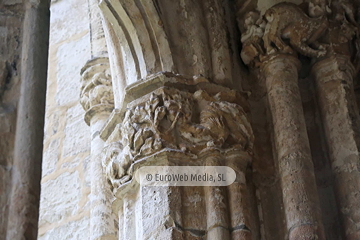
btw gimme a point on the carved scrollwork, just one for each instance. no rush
(96, 85)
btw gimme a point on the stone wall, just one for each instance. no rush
(294, 174)
(64, 206)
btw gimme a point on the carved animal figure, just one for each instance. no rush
(220, 122)
(97, 90)
(252, 38)
(115, 164)
(288, 21)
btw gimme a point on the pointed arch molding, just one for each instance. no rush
(137, 29)
(184, 37)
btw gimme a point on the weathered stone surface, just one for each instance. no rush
(72, 164)
(334, 86)
(86, 169)
(71, 58)
(76, 143)
(275, 196)
(68, 18)
(73, 230)
(60, 198)
(52, 155)
(172, 118)
(96, 84)
(5, 182)
(11, 20)
(12, 2)
(26, 169)
(74, 113)
(282, 21)
(291, 142)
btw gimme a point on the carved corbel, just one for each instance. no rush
(96, 93)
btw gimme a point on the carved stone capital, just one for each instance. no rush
(284, 21)
(287, 29)
(96, 94)
(186, 116)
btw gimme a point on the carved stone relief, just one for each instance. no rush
(252, 39)
(283, 22)
(342, 28)
(170, 119)
(288, 21)
(285, 28)
(96, 85)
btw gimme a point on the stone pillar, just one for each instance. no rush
(335, 93)
(238, 197)
(264, 46)
(155, 127)
(26, 172)
(216, 202)
(300, 198)
(98, 101)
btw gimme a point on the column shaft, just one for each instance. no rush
(216, 205)
(102, 220)
(302, 211)
(340, 116)
(26, 172)
(238, 195)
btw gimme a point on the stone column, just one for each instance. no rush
(155, 127)
(216, 202)
(335, 93)
(238, 197)
(302, 210)
(98, 101)
(26, 172)
(264, 46)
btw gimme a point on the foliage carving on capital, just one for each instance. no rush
(96, 84)
(169, 119)
(187, 122)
